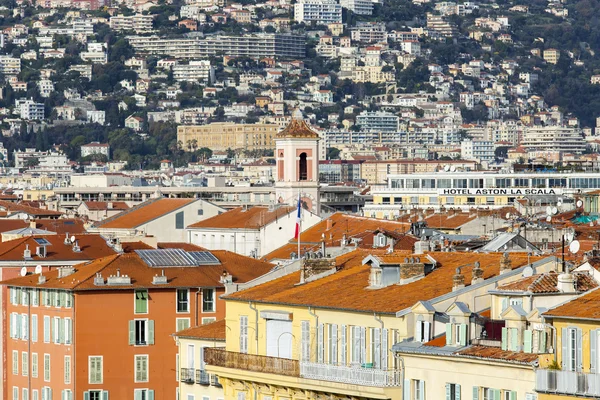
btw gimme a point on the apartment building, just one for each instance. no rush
(10, 65)
(30, 110)
(221, 136)
(439, 24)
(95, 148)
(359, 7)
(378, 121)
(479, 150)
(46, 87)
(333, 138)
(139, 23)
(554, 138)
(194, 71)
(373, 74)
(369, 32)
(250, 45)
(65, 343)
(551, 56)
(318, 11)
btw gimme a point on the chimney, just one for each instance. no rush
(458, 280)
(566, 283)
(451, 212)
(505, 264)
(109, 205)
(329, 224)
(411, 270)
(32, 224)
(477, 274)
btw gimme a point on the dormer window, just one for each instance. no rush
(381, 240)
(422, 331)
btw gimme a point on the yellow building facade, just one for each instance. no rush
(222, 136)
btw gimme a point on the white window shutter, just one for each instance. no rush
(34, 328)
(18, 330)
(504, 345)
(593, 350)
(542, 342)
(579, 353)
(421, 390)
(334, 346)
(565, 348)
(377, 356)
(457, 392)
(384, 349)
(419, 331)
(305, 325)
(406, 389)
(448, 392)
(344, 345)
(243, 334)
(363, 344)
(320, 343)
(463, 334)
(448, 334)
(355, 344)
(427, 331)
(475, 392)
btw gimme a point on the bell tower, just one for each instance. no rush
(297, 157)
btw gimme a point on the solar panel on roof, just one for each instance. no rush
(177, 258)
(42, 241)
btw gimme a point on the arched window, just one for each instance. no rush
(303, 167)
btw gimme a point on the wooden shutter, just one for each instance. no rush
(593, 350)
(527, 341)
(565, 349)
(46, 329)
(427, 331)
(456, 391)
(512, 395)
(344, 345)
(105, 395)
(132, 332)
(150, 331)
(448, 392)
(504, 339)
(514, 339)
(448, 334)
(320, 343)
(376, 357)
(579, 353)
(475, 392)
(61, 331)
(150, 394)
(18, 326)
(305, 326)
(406, 389)
(463, 334)
(496, 394)
(363, 344)
(421, 390)
(34, 328)
(355, 344)
(418, 331)
(384, 349)
(243, 334)
(542, 342)
(334, 347)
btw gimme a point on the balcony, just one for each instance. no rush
(250, 362)
(567, 382)
(214, 380)
(354, 375)
(202, 377)
(186, 375)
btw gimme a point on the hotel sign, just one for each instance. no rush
(499, 192)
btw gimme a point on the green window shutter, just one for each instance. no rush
(504, 338)
(593, 350)
(527, 341)
(150, 332)
(150, 394)
(475, 392)
(457, 392)
(86, 395)
(514, 339)
(105, 395)
(132, 332)
(448, 392)
(497, 394)
(137, 395)
(61, 331)
(406, 389)
(463, 334)
(542, 342)
(448, 334)
(512, 395)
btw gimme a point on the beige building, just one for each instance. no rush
(222, 136)
(372, 74)
(551, 56)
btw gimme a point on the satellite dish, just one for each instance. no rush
(507, 215)
(38, 269)
(446, 168)
(559, 203)
(72, 239)
(549, 210)
(23, 271)
(527, 272)
(579, 203)
(554, 210)
(452, 168)
(548, 219)
(574, 246)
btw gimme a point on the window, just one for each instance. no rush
(452, 391)
(303, 167)
(58, 329)
(24, 327)
(571, 349)
(34, 365)
(46, 367)
(68, 299)
(68, 331)
(95, 394)
(418, 389)
(183, 300)
(15, 362)
(46, 393)
(15, 395)
(422, 333)
(143, 394)
(67, 370)
(24, 297)
(179, 220)
(25, 394)
(66, 394)
(243, 334)
(25, 363)
(182, 323)
(141, 368)
(208, 300)
(95, 369)
(34, 394)
(141, 332)
(46, 329)
(141, 301)
(456, 334)
(509, 395)
(208, 320)
(35, 297)
(34, 328)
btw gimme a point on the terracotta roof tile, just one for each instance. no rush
(143, 213)
(182, 246)
(439, 341)
(37, 212)
(496, 353)
(246, 218)
(445, 221)
(91, 247)
(586, 306)
(103, 205)
(350, 283)
(546, 283)
(213, 331)
(297, 128)
(58, 225)
(242, 269)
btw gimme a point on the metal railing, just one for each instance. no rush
(250, 362)
(202, 377)
(355, 375)
(215, 381)
(186, 375)
(567, 382)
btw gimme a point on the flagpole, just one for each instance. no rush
(299, 223)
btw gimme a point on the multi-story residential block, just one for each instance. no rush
(46, 87)
(554, 138)
(10, 65)
(318, 11)
(359, 7)
(369, 32)
(439, 24)
(140, 23)
(96, 117)
(480, 150)
(31, 110)
(378, 121)
(373, 74)
(221, 136)
(551, 56)
(85, 70)
(95, 148)
(194, 71)
(251, 45)
(70, 347)
(335, 171)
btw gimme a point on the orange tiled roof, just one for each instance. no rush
(496, 353)
(91, 246)
(246, 218)
(297, 128)
(242, 269)
(347, 288)
(445, 221)
(103, 205)
(58, 225)
(546, 283)
(15, 208)
(179, 245)
(143, 213)
(213, 331)
(586, 306)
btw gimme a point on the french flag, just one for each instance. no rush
(298, 220)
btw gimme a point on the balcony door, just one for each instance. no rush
(279, 338)
(190, 356)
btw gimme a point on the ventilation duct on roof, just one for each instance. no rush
(160, 279)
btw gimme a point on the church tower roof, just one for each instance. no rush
(297, 128)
